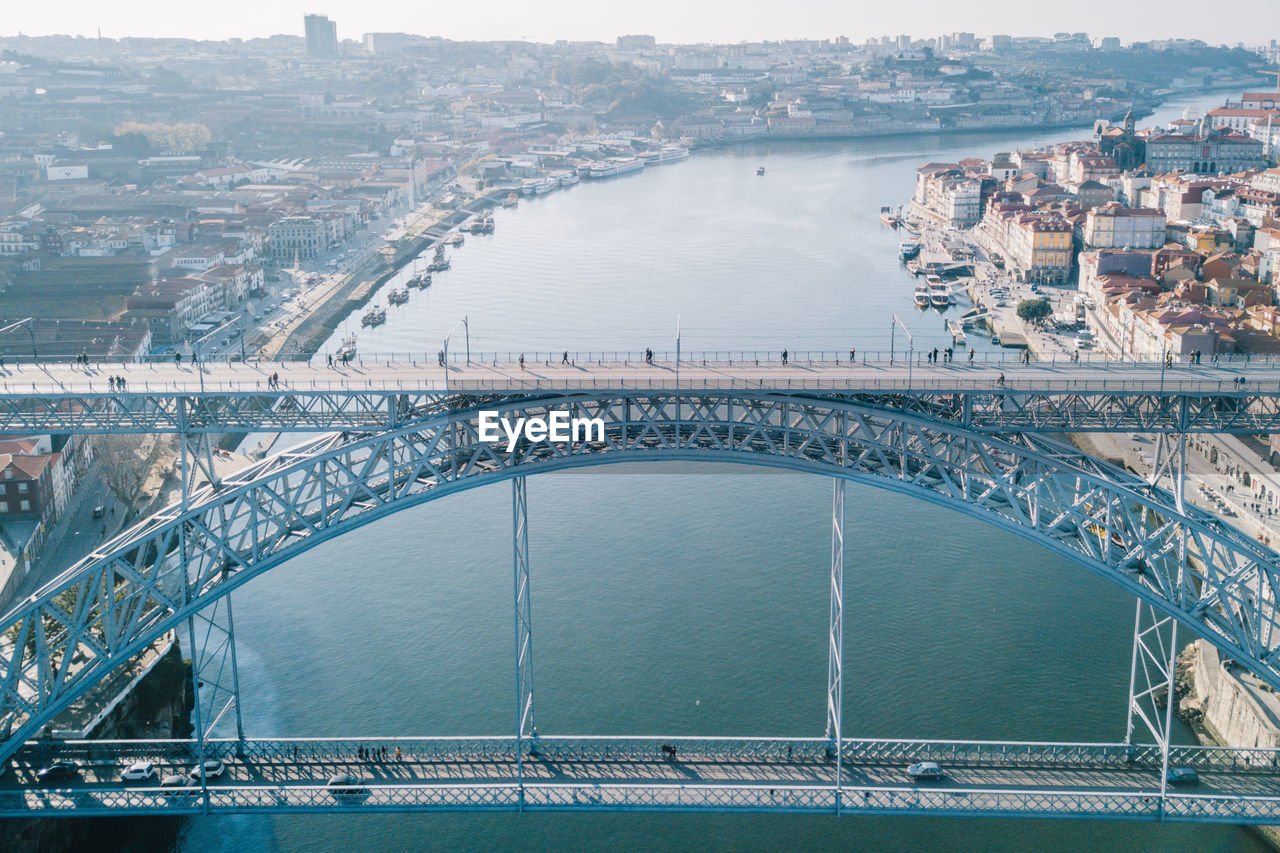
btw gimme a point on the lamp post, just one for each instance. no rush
(29, 322)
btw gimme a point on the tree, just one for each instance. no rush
(127, 461)
(1033, 310)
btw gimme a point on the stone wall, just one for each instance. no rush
(1227, 706)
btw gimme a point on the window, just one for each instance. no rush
(8, 474)
(4, 506)
(22, 488)
(25, 506)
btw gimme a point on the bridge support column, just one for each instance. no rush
(525, 727)
(835, 638)
(1151, 680)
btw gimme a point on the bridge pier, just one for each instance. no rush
(835, 636)
(1151, 677)
(525, 727)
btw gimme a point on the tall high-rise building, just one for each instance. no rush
(322, 36)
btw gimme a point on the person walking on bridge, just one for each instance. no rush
(852, 354)
(522, 361)
(784, 358)
(564, 359)
(971, 355)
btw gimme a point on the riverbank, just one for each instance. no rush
(308, 333)
(1226, 706)
(1146, 109)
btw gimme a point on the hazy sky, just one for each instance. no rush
(1252, 21)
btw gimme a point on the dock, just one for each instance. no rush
(956, 328)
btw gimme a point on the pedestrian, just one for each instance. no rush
(971, 355)
(1000, 380)
(564, 359)
(331, 359)
(522, 368)
(852, 354)
(397, 753)
(177, 357)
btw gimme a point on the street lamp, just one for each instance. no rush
(29, 322)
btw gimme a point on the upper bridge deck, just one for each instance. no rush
(164, 396)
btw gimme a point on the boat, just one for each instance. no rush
(439, 263)
(760, 170)
(347, 351)
(398, 296)
(939, 295)
(610, 168)
(375, 316)
(512, 199)
(956, 330)
(888, 218)
(418, 280)
(921, 296)
(454, 239)
(908, 249)
(664, 155)
(565, 178)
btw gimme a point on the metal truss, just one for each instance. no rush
(152, 577)
(975, 401)
(1155, 651)
(835, 634)
(525, 727)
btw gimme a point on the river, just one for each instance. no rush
(686, 600)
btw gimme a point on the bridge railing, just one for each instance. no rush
(576, 795)
(602, 358)
(649, 748)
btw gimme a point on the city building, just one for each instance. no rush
(322, 37)
(1114, 226)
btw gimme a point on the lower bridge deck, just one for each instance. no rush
(648, 774)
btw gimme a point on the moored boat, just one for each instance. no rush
(921, 296)
(375, 316)
(908, 249)
(511, 200)
(398, 296)
(760, 170)
(347, 351)
(939, 294)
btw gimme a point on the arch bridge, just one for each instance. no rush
(959, 438)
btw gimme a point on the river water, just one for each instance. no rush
(685, 600)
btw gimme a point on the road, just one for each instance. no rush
(695, 776)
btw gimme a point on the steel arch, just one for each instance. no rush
(99, 613)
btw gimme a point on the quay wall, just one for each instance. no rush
(1226, 707)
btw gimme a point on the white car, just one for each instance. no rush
(925, 771)
(213, 769)
(139, 771)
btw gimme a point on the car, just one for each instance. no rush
(138, 771)
(925, 771)
(176, 780)
(346, 786)
(58, 771)
(1182, 776)
(99, 511)
(213, 769)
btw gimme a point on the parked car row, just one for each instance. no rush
(138, 771)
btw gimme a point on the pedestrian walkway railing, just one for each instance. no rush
(716, 358)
